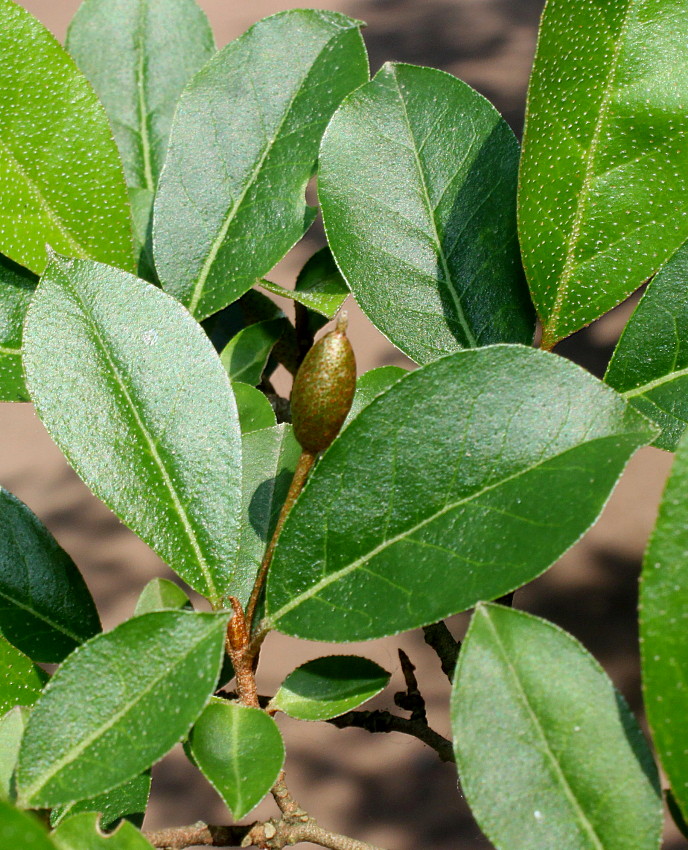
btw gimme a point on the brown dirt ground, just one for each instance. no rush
(384, 789)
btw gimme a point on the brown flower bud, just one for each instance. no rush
(324, 389)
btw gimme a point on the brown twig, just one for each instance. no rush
(198, 835)
(385, 721)
(411, 699)
(274, 834)
(238, 651)
(446, 647)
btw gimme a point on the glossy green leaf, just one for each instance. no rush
(549, 755)
(161, 594)
(319, 286)
(12, 727)
(603, 198)
(663, 606)
(252, 307)
(142, 215)
(16, 289)
(21, 681)
(650, 363)
(155, 674)
(409, 518)
(270, 458)
(243, 146)
(21, 830)
(151, 425)
(328, 687)
(45, 607)
(82, 832)
(417, 182)
(61, 178)
(138, 56)
(372, 384)
(246, 354)
(128, 800)
(240, 752)
(255, 411)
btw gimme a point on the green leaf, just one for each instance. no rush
(154, 674)
(161, 594)
(319, 286)
(246, 354)
(372, 384)
(82, 832)
(650, 364)
(240, 752)
(243, 146)
(252, 307)
(151, 425)
(128, 800)
(138, 55)
(604, 175)
(21, 830)
(255, 411)
(549, 755)
(12, 727)
(328, 687)
(663, 601)
(45, 607)
(60, 174)
(21, 682)
(270, 458)
(142, 215)
(409, 518)
(417, 183)
(16, 288)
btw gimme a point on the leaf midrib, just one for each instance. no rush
(152, 447)
(540, 732)
(458, 306)
(103, 728)
(570, 266)
(234, 208)
(329, 579)
(658, 382)
(144, 133)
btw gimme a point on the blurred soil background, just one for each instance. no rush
(385, 789)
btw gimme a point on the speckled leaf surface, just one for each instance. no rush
(128, 800)
(61, 180)
(372, 384)
(330, 686)
(477, 496)
(417, 183)
(240, 752)
(242, 149)
(82, 832)
(138, 56)
(603, 199)
(561, 767)
(161, 594)
(12, 727)
(319, 286)
(21, 830)
(663, 607)
(45, 607)
(650, 363)
(270, 458)
(155, 674)
(246, 354)
(21, 681)
(133, 425)
(16, 288)
(255, 411)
